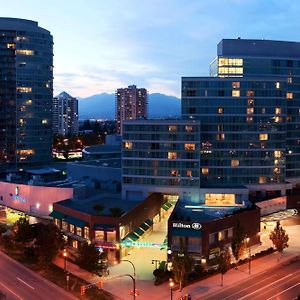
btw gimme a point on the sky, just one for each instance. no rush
(102, 45)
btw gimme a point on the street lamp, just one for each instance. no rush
(171, 285)
(249, 255)
(65, 255)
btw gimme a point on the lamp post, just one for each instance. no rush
(134, 272)
(249, 255)
(171, 285)
(65, 255)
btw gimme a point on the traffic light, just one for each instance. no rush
(82, 290)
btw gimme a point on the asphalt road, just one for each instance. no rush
(20, 283)
(279, 283)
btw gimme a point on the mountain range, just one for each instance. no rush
(102, 106)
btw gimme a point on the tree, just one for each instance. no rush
(279, 238)
(238, 241)
(48, 242)
(223, 261)
(182, 264)
(23, 230)
(90, 258)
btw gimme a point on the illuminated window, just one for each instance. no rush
(75, 244)
(298, 111)
(276, 171)
(29, 102)
(220, 128)
(262, 179)
(72, 228)
(99, 235)
(128, 145)
(277, 153)
(277, 119)
(223, 62)
(188, 128)
(11, 46)
(189, 146)
(276, 162)
(263, 137)
(250, 110)
(189, 173)
(277, 111)
(220, 110)
(79, 231)
(204, 171)
(290, 80)
(235, 85)
(235, 93)
(22, 122)
(219, 199)
(24, 89)
(172, 155)
(249, 119)
(289, 95)
(111, 236)
(25, 151)
(220, 137)
(250, 93)
(172, 128)
(220, 236)
(235, 162)
(86, 232)
(25, 52)
(277, 85)
(250, 102)
(174, 172)
(64, 225)
(44, 121)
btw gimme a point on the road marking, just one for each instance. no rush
(291, 287)
(26, 283)
(268, 285)
(11, 291)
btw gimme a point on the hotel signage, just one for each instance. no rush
(195, 225)
(17, 197)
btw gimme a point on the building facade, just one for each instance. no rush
(131, 103)
(26, 80)
(65, 115)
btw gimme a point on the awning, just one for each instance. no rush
(103, 226)
(138, 231)
(149, 222)
(75, 221)
(166, 206)
(57, 215)
(132, 236)
(145, 226)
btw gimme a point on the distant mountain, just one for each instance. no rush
(102, 106)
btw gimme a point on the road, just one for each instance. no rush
(20, 283)
(279, 283)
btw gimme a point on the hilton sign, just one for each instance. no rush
(196, 226)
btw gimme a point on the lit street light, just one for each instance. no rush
(171, 285)
(65, 255)
(249, 254)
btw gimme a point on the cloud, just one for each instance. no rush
(164, 86)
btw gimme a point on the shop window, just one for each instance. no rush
(235, 93)
(289, 95)
(72, 228)
(128, 145)
(235, 162)
(189, 147)
(204, 171)
(79, 231)
(188, 128)
(263, 137)
(111, 236)
(64, 225)
(86, 232)
(99, 235)
(172, 155)
(235, 84)
(172, 128)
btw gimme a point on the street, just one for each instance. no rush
(280, 283)
(20, 283)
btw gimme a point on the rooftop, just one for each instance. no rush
(105, 163)
(101, 149)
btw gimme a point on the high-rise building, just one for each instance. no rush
(65, 114)
(131, 103)
(26, 92)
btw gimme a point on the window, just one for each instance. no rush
(235, 85)
(204, 171)
(235, 93)
(11, 46)
(174, 172)
(99, 235)
(128, 145)
(172, 155)
(220, 110)
(289, 95)
(75, 244)
(250, 110)
(189, 147)
(188, 128)
(172, 128)
(57, 222)
(24, 89)
(220, 137)
(277, 111)
(277, 119)
(235, 162)
(249, 119)
(72, 228)
(250, 102)
(250, 93)
(277, 85)
(79, 231)
(289, 80)
(276, 171)
(25, 52)
(64, 225)
(86, 232)
(111, 236)
(263, 137)
(277, 153)
(189, 173)
(45, 121)
(220, 236)
(262, 179)
(263, 110)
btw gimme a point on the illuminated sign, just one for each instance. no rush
(195, 226)
(143, 244)
(19, 198)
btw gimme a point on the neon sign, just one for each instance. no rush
(143, 244)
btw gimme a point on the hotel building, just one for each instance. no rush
(26, 80)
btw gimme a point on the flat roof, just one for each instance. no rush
(43, 171)
(95, 149)
(105, 163)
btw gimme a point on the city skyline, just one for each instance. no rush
(99, 48)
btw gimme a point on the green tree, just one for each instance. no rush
(238, 241)
(182, 264)
(279, 238)
(48, 242)
(223, 261)
(90, 258)
(23, 230)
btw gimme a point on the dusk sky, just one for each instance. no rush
(100, 45)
